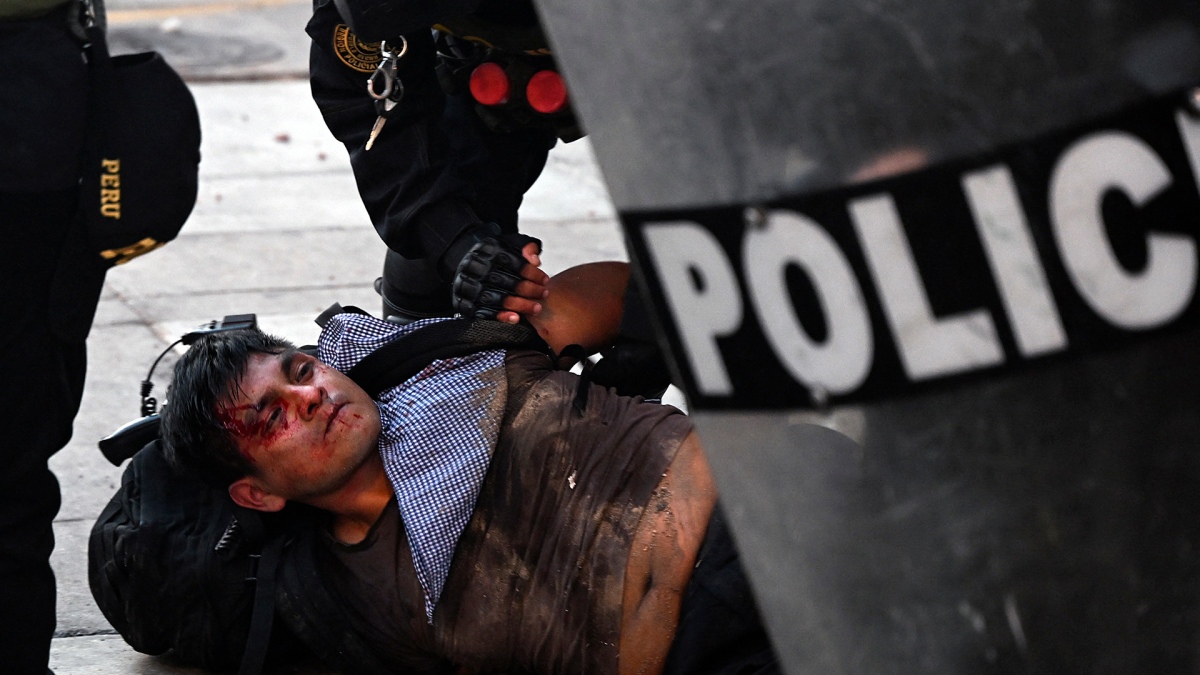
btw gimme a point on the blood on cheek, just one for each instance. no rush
(245, 423)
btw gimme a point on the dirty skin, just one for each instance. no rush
(661, 560)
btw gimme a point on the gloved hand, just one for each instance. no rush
(493, 269)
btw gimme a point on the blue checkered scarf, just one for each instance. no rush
(439, 431)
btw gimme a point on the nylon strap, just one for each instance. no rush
(259, 638)
(405, 356)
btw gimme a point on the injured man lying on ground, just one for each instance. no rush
(476, 519)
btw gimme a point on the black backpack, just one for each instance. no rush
(175, 565)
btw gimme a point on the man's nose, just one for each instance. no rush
(308, 400)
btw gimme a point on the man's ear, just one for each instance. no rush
(248, 493)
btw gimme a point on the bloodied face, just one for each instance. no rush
(306, 428)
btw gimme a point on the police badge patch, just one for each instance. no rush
(359, 55)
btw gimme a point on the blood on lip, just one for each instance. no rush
(337, 410)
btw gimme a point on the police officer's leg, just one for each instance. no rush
(411, 290)
(43, 385)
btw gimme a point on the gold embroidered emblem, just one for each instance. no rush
(359, 55)
(124, 255)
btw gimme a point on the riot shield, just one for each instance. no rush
(927, 272)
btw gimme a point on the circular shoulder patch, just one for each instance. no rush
(359, 55)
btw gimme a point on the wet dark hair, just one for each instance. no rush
(193, 435)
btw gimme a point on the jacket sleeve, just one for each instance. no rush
(375, 20)
(416, 198)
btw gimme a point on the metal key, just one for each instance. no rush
(379, 122)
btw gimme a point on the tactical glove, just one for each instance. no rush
(489, 271)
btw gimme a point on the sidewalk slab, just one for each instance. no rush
(216, 39)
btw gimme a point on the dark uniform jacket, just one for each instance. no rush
(435, 169)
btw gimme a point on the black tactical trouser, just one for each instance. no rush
(42, 101)
(43, 385)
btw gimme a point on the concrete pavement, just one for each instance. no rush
(278, 230)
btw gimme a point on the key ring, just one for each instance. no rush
(387, 53)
